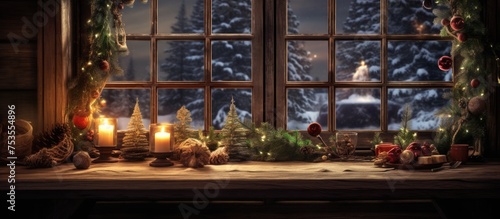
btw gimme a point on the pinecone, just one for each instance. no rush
(219, 156)
(51, 137)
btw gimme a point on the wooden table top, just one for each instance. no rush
(250, 180)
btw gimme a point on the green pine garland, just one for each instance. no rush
(472, 48)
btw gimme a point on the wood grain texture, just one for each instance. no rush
(258, 180)
(18, 69)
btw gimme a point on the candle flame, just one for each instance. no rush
(162, 129)
(105, 122)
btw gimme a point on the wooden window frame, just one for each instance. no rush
(255, 84)
(281, 62)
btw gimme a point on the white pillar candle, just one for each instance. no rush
(162, 141)
(106, 132)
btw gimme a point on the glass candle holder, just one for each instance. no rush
(161, 142)
(105, 138)
(345, 144)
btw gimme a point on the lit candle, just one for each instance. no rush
(106, 132)
(162, 141)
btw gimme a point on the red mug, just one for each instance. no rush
(384, 147)
(459, 152)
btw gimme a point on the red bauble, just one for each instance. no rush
(474, 83)
(445, 22)
(81, 121)
(427, 4)
(104, 65)
(445, 63)
(476, 105)
(314, 129)
(457, 23)
(394, 154)
(462, 37)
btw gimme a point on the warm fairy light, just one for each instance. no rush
(83, 69)
(89, 63)
(482, 94)
(263, 138)
(260, 152)
(318, 146)
(462, 68)
(219, 143)
(449, 115)
(107, 5)
(441, 129)
(96, 35)
(414, 134)
(88, 21)
(269, 153)
(467, 130)
(463, 88)
(477, 69)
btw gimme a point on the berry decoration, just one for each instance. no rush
(81, 121)
(462, 37)
(474, 83)
(314, 129)
(445, 63)
(445, 22)
(427, 4)
(94, 94)
(457, 23)
(104, 65)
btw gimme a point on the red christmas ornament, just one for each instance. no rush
(457, 23)
(121, 6)
(104, 65)
(445, 22)
(81, 121)
(416, 148)
(445, 63)
(314, 129)
(474, 83)
(427, 4)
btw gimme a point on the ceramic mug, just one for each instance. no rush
(459, 152)
(384, 147)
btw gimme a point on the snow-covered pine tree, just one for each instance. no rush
(231, 60)
(300, 100)
(233, 135)
(184, 63)
(409, 61)
(135, 145)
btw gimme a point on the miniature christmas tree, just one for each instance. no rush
(182, 127)
(233, 135)
(135, 144)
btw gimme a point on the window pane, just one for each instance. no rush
(136, 18)
(176, 16)
(357, 61)
(171, 100)
(357, 17)
(231, 60)
(221, 100)
(357, 108)
(120, 104)
(136, 64)
(180, 60)
(424, 104)
(231, 16)
(307, 60)
(306, 105)
(417, 60)
(409, 17)
(307, 17)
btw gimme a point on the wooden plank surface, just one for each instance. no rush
(288, 180)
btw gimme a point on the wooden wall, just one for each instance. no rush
(18, 61)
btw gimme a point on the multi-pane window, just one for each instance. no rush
(194, 53)
(347, 64)
(353, 65)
